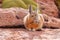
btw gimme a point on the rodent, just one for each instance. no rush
(33, 20)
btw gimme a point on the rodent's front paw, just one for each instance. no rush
(31, 29)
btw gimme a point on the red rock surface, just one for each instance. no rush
(23, 34)
(48, 7)
(12, 16)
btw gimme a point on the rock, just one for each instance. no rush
(48, 7)
(23, 34)
(12, 16)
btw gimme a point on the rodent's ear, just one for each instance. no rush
(30, 9)
(36, 10)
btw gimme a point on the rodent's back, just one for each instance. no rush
(41, 21)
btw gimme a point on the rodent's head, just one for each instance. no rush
(33, 13)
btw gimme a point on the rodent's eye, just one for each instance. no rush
(35, 15)
(32, 16)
